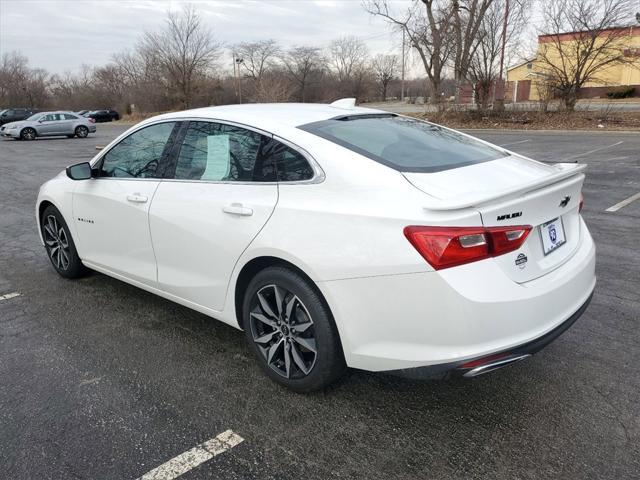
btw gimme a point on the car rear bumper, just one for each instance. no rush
(485, 364)
(447, 318)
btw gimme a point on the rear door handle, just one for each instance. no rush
(237, 209)
(137, 198)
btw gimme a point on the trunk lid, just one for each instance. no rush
(516, 191)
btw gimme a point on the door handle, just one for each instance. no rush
(137, 198)
(237, 209)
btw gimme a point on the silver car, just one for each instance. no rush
(49, 124)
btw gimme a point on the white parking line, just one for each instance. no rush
(623, 203)
(515, 143)
(7, 296)
(192, 458)
(593, 151)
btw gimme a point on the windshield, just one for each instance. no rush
(35, 116)
(404, 144)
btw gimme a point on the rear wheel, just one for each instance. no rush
(291, 331)
(82, 131)
(59, 244)
(28, 134)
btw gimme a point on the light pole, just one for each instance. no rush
(236, 64)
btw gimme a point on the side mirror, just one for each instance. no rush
(79, 171)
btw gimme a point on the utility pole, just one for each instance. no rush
(402, 82)
(498, 101)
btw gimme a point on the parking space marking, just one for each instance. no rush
(515, 143)
(7, 296)
(623, 203)
(192, 458)
(593, 151)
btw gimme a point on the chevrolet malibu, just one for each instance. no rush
(335, 236)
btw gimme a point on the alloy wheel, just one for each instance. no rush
(57, 242)
(29, 134)
(82, 132)
(283, 331)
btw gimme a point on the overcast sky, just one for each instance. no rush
(61, 35)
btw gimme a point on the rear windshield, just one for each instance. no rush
(405, 144)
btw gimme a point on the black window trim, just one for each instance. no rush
(96, 163)
(311, 128)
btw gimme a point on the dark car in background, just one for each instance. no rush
(103, 115)
(16, 114)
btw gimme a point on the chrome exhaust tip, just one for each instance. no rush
(495, 365)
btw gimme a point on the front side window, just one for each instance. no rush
(220, 153)
(138, 155)
(404, 144)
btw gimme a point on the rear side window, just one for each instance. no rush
(404, 144)
(290, 165)
(68, 116)
(218, 152)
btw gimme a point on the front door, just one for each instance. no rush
(111, 211)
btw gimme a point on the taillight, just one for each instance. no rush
(445, 247)
(581, 202)
(92, 120)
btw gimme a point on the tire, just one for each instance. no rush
(59, 245)
(82, 131)
(301, 324)
(28, 134)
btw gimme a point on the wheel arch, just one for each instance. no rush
(32, 128)
(256, 265)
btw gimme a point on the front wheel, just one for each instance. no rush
(59, 244)
(82, 131)
(291, 331)
(28, 134)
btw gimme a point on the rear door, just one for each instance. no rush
(217, 197)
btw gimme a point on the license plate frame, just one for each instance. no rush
(552, 235)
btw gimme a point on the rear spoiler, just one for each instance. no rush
(564, 170)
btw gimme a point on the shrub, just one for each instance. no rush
(621, 92)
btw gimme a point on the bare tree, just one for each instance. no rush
(428, 27)
(467, 16)
(257, 57)
(185, 48)
(347, 55)
(484, 66)
(304, 65)
(580, 42)
(385, 69)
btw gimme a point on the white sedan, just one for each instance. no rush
(334, 236)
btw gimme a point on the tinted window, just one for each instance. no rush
(68, 116)
(291, 165)
(405, 144)
(138, 154)
(219, 152)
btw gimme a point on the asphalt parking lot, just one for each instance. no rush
(100, 380)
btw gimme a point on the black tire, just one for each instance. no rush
(28, 134)
(82, 131)
(302, 323)
(56, 235)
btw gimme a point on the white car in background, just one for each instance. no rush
(334, 236)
